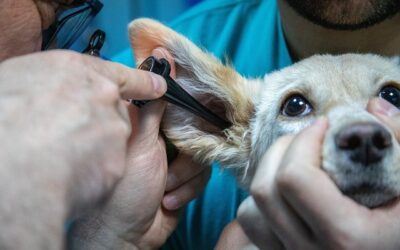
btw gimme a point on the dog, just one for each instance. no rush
(360, 154)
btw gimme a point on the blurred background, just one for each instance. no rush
(116, 14)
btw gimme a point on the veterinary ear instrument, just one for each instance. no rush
(177, 95)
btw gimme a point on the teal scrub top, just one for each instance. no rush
(249, 34)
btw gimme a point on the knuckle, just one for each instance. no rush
(105, 90)
(261, 192)
(285, 178)
(65, 57)
(125, 128)
(112, 90)
(243, 215)
(118, 173)
(115, 174)
(115, 160)
(121, 129)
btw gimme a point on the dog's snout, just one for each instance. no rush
(366, 143)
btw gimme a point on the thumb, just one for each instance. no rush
(313, 137)
(149, 117)
(387, 113)
(145, 125)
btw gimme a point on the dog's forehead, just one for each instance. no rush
(350, 76)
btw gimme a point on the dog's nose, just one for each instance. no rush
(365, 142)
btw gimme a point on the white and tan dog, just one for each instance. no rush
(360, 154)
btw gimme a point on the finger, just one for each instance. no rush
(187, 192)
(387, 113)
(269, 164)
(309, 190)
(151, 115)
(146, 123)
(105, 96)
(313, 137)
(256, 227)
(181, 170)
(287, 226)
(161, 52)
(133, 83)
(233, 237)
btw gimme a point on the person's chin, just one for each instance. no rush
(345, 15)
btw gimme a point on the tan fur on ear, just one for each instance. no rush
(146, 34)
(217, 86)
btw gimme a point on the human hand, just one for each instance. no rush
(64, 128)
(295, 205)
(142, 212)
(387, 113)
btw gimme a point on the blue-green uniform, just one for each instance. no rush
(249, 33)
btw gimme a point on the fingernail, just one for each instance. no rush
(171, 202)
(385, 108)
(159, 84)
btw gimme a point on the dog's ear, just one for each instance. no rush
(216, 86)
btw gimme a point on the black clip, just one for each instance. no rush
(96, 43)
(177, 95)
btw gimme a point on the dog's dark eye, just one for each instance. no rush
(296, 105)
(391, 94)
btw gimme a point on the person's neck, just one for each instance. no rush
(305, 39)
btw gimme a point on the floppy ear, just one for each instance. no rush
(216, 86)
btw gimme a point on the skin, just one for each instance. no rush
(291, 200)
(110, 153)
(345, 15)
(305, 38)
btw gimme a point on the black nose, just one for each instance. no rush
(366, 143)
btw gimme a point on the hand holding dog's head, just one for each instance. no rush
(285, 102)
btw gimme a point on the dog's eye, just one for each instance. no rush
(391, 94)
(296, 105)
